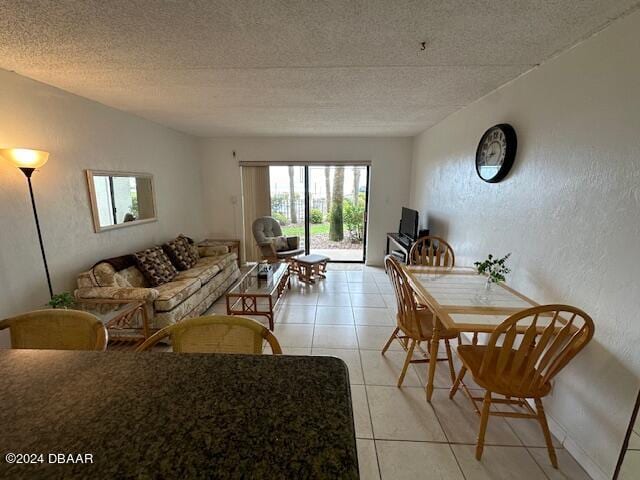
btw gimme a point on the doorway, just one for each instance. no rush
(324, 205)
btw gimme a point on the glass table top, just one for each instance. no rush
(250, 284)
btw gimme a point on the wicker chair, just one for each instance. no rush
(523, 355)
(414, 322)
(432, 251)
(57, 329)
(216, 334)
(265, 229)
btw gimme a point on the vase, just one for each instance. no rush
(488, 286)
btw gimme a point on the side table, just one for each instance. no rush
(232, 244)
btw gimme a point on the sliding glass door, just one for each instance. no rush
(325, 205)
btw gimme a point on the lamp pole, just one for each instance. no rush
(28, 172)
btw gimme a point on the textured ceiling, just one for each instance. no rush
(269, 67)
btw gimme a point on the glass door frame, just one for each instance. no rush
(307, 211)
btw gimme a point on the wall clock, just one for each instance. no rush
(495, 153)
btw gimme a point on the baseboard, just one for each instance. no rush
(575, 450)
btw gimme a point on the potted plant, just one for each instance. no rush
(62, 300)
(494, 268)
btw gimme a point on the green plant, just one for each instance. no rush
(495, 268)
(282, 220)
(354, 217)
(62, 300)
(316, 216)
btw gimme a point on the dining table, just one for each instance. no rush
(463, 300)
(77, 414)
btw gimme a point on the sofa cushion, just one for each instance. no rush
(173, 293)
(155, 266)
(180, 253)
(280, 243)
(134, 276)
(203, 271)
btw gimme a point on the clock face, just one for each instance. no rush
(495, 153)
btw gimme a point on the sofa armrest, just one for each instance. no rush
(117, 293)
(294, 242)
(212, 250)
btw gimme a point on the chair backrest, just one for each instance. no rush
(529, 348)
(216, 334)
(405, 298)
(264, 228)
(56, 329)
(432, 251)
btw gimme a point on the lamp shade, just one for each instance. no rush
(24, 157)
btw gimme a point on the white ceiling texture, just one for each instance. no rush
(291, 67)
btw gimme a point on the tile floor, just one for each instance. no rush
(350, 315)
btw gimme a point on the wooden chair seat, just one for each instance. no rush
(424, 333)
(472, 357)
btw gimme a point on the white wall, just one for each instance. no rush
(390, 166)
(569, 211)
(81, 134)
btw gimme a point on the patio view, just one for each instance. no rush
(337, 197)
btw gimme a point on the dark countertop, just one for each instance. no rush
(172, 415)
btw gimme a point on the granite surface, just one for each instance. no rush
(171, 415)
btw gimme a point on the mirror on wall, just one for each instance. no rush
(628, 467)
(120, 199)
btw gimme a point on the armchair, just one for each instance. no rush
(265, 231)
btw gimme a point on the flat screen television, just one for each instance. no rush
(409, 223)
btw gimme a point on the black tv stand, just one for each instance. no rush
(399, 242)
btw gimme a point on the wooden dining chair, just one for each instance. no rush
(523, 354)
(216, 334)
(414, 322)
(56, 329)
(432, 251)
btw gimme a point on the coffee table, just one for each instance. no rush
(310, 266)
(257, 296)
(126, 320)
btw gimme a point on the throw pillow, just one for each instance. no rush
(180, 253)
(280, 243)
(155, 266)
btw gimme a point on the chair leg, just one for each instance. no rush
(542, 418)
(484, 419)
(388, 344)
(407, 361)
(452, 370)
(456, 384)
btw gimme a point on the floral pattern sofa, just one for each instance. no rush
(189, 294)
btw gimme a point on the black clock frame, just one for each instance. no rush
(511, 140)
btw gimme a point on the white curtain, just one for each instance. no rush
(256, 202)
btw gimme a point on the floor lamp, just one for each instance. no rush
(28, 161)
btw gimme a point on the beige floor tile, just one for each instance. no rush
(306, 298)
(372, 316)
(374, 338)
(334, 316)
(289, 350)
(390, 300)
(335, 276)
(363, 288)
(568, 469)
(403, 414)
(385, 288)
(334, 299)
(374, 300)
(350, 357)
(335, 336)
(327, 286)
(530, 433)
(367, 459)
(294, 335)
(461, 423)
(359, 277)
(385, 369)
(295, 314)
(361, 417)
(631, 466)
(497, 463)
(415, 460)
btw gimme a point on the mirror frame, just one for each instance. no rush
(94, 204)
